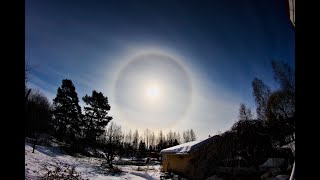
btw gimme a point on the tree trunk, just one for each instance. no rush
(110, 154)
(34, 144)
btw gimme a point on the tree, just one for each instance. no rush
(192, 135)
(244, 113)
(170, 138)
(135, 139)
(283, 100)
(281, 105)
(175, 143)
(178, 138)
(161, 143)
(147, 137)
(284, 75)
(186, 136)
(96, 115)
(161, 137)
(128, 138)
(38, 115)
(251, 141)
(111, 142)
(152, 139)
(189, 135)
(150, 148)
(38, 112)
(142, 148)
(261, 92)
(67, 112)
(281, 117)
(27, 70)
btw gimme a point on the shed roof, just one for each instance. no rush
(188, 147)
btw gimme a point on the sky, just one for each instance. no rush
(164, 65)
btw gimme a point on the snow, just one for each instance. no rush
(186, 148)
(180, 149)
(45, 158)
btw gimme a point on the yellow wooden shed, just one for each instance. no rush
(176, 159)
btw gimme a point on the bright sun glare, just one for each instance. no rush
(152, 91)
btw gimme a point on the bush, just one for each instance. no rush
(63, 173)
(115, 170)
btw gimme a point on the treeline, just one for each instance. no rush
(156, 142)
(91, 129)
(251, 141)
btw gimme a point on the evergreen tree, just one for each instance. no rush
(160, 145)
(175, 143)
(150, 148)
(96, 115)
(142, 148)
(67, 112)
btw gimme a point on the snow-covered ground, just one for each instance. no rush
(44, 158)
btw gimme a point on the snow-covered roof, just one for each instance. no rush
(188, 147)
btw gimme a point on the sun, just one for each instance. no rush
(152, 91)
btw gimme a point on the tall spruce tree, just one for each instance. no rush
(96, 115)
(67, 117)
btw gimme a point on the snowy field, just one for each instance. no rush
(43, 159)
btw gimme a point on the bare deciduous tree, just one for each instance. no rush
(152, 139)
(135, 140)
(244, 113)
(261, 92)
(113, 137)
(186, 136)
(192, 135)
(147, 137)
(284, 75)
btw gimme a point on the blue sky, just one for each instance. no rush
(198, 56)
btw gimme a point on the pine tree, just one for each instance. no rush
(142, 148)
(175, 143)
(67, 112)
(96, 115)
